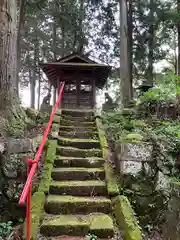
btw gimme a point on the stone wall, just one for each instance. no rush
(142, 181)
(171, 227)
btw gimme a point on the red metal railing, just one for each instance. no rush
(32, 165)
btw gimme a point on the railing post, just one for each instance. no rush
(28, 203)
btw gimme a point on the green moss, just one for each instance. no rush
(32, 113)
(128, 112)
(133, 137)
(56, 204)
(101, 226)
(56, 119)
(51, 151)
(126, 218)
(102, 138)
(62, 139)
(112, 186)
(65, 225)
(46, 179)
(78, 183)
(37, 209)
(55, 127)
(72, 151)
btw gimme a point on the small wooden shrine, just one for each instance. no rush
(82, 77)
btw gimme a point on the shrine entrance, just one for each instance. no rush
(82, 78)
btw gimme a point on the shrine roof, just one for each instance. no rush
(76, 63)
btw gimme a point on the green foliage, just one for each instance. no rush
(5, 229)
(91, 237)
(163, 135)
(164, 90)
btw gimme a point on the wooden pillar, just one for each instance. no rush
(94, 92)
(58, 86)
(54, 96)
(78, 91)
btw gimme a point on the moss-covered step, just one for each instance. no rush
(78, 225)
(93, 162)
(79, 188)
(65, 225)
(82, 122)
(78, 119)
(78, 113)
(77, 152)
(56, 204)
(78, 134)
(78, 173)
(101, 226)
(79, 143)
(77, 128)
(126, 219)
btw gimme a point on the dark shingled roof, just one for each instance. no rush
(74, 63)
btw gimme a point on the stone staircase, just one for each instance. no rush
(78, 203)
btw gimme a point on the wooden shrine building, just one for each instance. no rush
(82, 77)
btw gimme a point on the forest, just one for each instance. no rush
(139, 105)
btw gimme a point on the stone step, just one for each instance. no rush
(56, 204)
(79, 122)
(78, 134)
(79, 188)
(81, 173)
(78, 162)
(78, 119)
(77, 152)
(98, 224)
(77, 113)
(77, 129)
(79, 143)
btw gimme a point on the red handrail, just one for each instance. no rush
(32, 165)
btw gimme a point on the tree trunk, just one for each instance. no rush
(8, 53)
(33, 82)
(55, 43)
(151, 45)
(81, 31)
(178, 33)
(39, 89)
(178, 62)
(130, 44)
(126, 86)
(19, 35)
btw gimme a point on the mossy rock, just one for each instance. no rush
(112, 186)
(133, 138)
(51, 151)
(128, 112)
(55, 127)
(57, 119)
(46, 179)
(37, 209)
(32, 113)
(126, 219)
(101, 226)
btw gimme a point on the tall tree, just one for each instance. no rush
(178, 37)
(150, 43)
(8, 53)
(126, 86)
